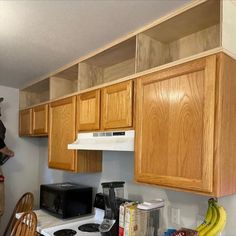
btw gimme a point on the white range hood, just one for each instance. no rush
(110, 141)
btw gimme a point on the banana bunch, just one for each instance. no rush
(214, 221)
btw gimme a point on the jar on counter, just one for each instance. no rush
(148, 217)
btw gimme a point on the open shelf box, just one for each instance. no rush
(35, 94)
(193, 31)
(64, 82)
(111, 64)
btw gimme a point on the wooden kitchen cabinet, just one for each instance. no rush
(34, 121)
(62, 131)
(25, 122)
(113, 110)
(40, 120)
(88, 116)
(183, 113)
(117, 106)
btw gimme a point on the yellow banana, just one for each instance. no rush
(207, 219)
(205, 230)
(220, 222)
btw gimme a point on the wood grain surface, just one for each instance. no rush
(40, 120)
(117, 105)
(25, 122)
(225, 135)
(175, 126)
(62, 131)
(88, 112)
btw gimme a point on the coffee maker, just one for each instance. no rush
(113, 196)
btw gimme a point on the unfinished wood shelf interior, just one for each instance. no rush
(194, 31)
(35, 94)
(180, 35)
(111, 64)
(64, 82)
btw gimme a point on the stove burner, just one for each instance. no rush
(91, 227)
(64, 232)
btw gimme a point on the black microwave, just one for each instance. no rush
(66, 200)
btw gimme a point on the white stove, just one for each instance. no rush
(73, 227)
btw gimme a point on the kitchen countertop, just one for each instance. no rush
(45, 220)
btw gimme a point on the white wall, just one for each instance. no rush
(119, 166)
(21, 172)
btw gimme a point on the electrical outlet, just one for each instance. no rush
(175, 215)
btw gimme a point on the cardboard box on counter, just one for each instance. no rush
(127, 218)
(130, 220)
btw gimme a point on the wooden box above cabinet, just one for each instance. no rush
(34, 121)
(64, 82)
(174, 37)
(185, 136)
(111, 64)
(180, 36)
(35, 94)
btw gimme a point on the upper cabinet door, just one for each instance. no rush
(25, 122)
(175, 126)
(62, 131)
(40, 120)
(88, 115)
(117, 105)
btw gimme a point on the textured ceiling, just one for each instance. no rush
(37, 37)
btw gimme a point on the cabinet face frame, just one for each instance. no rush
(205, 183)
(117, 112)
(25, 122)
(40, 117)
(70, 156)
(88, 108)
